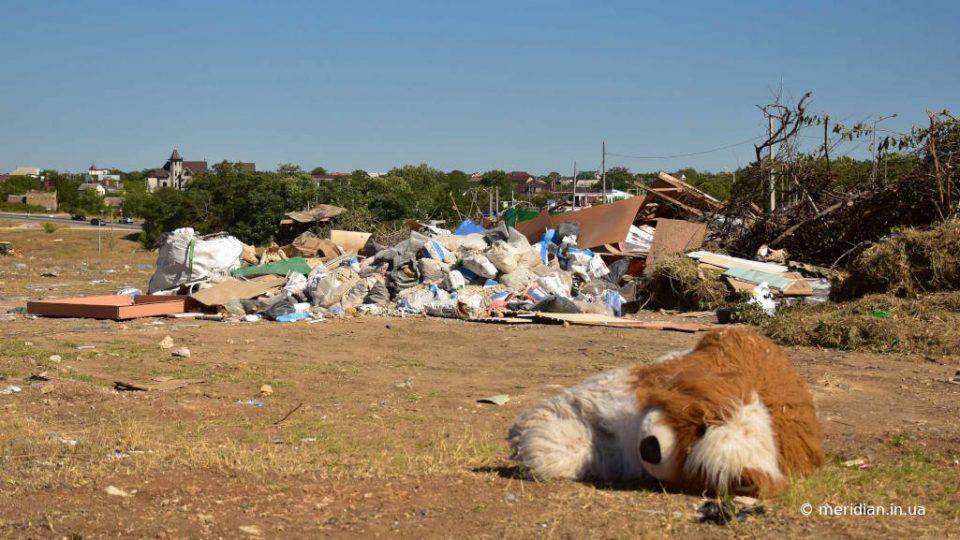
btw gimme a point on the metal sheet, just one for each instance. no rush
(599, 225)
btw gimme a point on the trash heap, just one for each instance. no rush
(598, 263)
(471, 273)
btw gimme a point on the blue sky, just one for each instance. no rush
(465, 85)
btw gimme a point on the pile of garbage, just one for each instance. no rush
(595, 263)
(470, 273)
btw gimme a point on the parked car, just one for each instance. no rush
(78, 217)
(126, 220)
(98, 221)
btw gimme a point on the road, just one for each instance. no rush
(46, 217)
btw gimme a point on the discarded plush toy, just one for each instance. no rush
(730, 416)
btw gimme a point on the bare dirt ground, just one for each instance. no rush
(388, 439)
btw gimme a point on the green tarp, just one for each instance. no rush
(280, 268)
(513, 216)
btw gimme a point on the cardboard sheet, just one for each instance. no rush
(350, 240)
(231, 288)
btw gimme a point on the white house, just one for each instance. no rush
(101, 175)
(94, 186)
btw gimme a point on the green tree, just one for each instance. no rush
(497, 178)
(289, 168)
(620, 178)
(318, 171)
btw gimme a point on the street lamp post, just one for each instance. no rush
(873, 148)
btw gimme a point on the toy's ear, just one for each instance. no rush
(756, 482)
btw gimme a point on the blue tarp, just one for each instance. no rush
(468, 227)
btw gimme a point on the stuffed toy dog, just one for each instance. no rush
(730, 416)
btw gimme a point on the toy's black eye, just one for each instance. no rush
(701, 431)
(650, 450)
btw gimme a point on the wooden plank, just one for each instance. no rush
(726, 261)
(668, 198)
(590, 319)
(691, 191)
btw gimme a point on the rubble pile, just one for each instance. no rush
(594, 264)
(436, 272)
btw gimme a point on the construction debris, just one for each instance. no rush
(585, 267)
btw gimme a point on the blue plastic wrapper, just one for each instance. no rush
(290, 317)
(613, 299)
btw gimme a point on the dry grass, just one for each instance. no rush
(923, 325)
(910, 263)
(678, 283)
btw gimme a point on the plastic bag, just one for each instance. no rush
(432, 270)
(503, 256)
(480, 265)
(184, 257)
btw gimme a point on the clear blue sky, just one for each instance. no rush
(466, 85)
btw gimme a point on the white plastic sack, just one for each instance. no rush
(296, 283)
(432, 270)
(480, 265)
(454, 281)
(553, 284)
(473, 242)
(518, 280)
(185, 257)
(503, 256)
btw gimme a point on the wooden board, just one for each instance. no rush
(800, 287)
(115, 306)
(726, 261)
(673, 236)
(232, 288)
(590, 319)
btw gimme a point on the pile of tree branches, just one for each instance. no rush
(820, 216)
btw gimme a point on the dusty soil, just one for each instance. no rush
(386, 437)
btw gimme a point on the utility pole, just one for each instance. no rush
(873, 148)
(497, 199)
(489, 203)
(603, 169)
(772, 203)
(574, 185)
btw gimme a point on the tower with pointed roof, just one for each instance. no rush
(176, 169)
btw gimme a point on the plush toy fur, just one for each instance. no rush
(730, 416)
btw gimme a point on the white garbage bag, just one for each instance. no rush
(185, 257)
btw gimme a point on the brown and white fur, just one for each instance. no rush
(730, 416)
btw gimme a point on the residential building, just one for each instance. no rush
(32, 172)
(110, 181)
(176, 173)
(93, 186)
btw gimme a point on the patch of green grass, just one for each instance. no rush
(919, 477)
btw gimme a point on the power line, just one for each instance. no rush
(751, 139)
